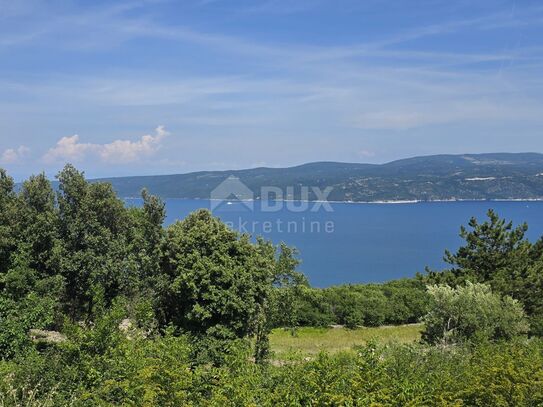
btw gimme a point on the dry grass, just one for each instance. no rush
(310, 341)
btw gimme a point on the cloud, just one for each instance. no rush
(11, 156)
(119, 151)
(127, 151)
(69, 148)
(388, 83)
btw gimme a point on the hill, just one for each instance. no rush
(437, 177)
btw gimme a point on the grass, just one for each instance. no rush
(310, 341)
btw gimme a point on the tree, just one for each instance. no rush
(287, 296)
(146, 241)
(495, 253)
(314, 308)
(33, 264)
(532, 297)
(498, 254)
(38, 225)
(407, 301)
(472, 312)
(7, 219)
(216, 281)
(93, 228)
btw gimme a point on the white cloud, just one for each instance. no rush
(12, 155)
(118, 151)
(127, 151)
(69, 148)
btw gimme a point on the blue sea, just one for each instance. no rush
(356, 242)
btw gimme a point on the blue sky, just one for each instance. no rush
(150, 87)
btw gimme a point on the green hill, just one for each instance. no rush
(438, 177)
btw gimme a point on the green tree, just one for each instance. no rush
(38, 225)
(93, 227)
(495, 253)
(147, 241)
(407, 301)
(216, 281)
(532, 297)
(498, 254)
(7, 219)
(286, 298)
(315, 308)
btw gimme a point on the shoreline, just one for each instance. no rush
(380, 202)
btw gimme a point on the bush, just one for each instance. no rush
(396, 302)
(160, 371)
(18, 317)
(472, 312)
(315, 309)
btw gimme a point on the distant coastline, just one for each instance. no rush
(440, 178)
(506, 177)
(385, 202)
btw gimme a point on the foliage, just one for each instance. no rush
(395, 302)
(147, 316)
(18, 317)
(287, 298)
(216, 282)
(498, 254)
(76, 252)
(93, 232)
(159, 371)
(472, 312)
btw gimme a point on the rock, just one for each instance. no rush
(43, 336)
(126, 325)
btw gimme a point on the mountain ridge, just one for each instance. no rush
(422, 178)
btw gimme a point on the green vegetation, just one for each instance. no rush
(498, 254)
(102, 305)
(161, 372)
(472, 312)
(396, 302)
(69, 257)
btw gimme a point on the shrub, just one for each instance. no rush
(472, 312)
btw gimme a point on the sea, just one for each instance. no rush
(343, 243)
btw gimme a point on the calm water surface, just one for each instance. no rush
(364, 242)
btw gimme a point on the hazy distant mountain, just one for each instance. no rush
(438, 177)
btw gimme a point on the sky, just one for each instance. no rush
(159, 87)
